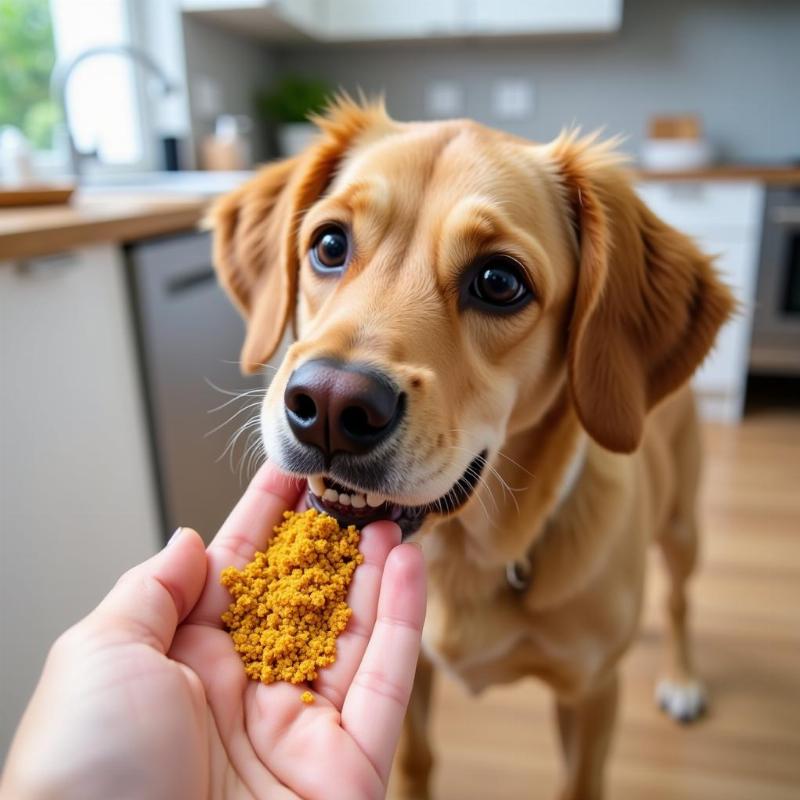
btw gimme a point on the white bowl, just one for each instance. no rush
(672, 155)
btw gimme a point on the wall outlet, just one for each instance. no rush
(207, 96)
(444, 99)
(513, 99)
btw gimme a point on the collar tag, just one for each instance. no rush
(518, 574)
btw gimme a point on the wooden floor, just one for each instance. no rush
(746, 601)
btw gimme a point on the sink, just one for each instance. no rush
(190, 182)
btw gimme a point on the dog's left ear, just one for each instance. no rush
(648, 303)
(255, 226)
(253, 257)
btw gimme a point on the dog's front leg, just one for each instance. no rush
(414, 760)
(586, 726)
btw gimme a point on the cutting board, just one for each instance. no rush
(36, 195)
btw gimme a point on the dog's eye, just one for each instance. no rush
(330, 250)
(500, 284)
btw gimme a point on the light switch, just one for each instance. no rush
(207, 96)
(444, 99)
(513, 98)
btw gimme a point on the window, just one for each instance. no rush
(27, 55)
(103, 96)
(101, 93)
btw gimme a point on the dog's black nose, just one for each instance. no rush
(341, 407)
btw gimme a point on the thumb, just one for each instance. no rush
(149, 600)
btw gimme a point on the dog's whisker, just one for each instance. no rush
(516, 464)
(504, 484)
(500, 453)
(251, 453)
(481, 481)
(229, 402)
(477, 494)
(233, 416)
(231, 445)
(232, 394)
(247, 445)
(260, 364)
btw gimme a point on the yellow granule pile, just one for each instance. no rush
(289, 602)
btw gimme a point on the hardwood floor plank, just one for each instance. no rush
(746, 618)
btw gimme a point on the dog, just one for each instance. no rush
(492, 341)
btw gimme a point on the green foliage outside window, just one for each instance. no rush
(27, 55)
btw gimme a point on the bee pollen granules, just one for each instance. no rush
(290, 602)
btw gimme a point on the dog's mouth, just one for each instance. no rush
(353, 507)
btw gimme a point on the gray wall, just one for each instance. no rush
(735, 62)
(239, 65)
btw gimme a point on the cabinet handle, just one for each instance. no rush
(786, 215)
(191, 280)
(46, 267)
(687, 191)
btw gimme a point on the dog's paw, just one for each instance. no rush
(684, 702)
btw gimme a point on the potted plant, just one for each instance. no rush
(288, 105)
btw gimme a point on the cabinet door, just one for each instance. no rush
(77, 502)
(701, 207)
(366, 19)
(525, 17)
(724, 218)
(724, 371)
(190, 337)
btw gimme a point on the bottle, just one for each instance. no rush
(16, 164)
(229, 148)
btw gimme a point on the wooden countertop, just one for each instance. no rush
(93, 218)
(726, 172)
(118, 216)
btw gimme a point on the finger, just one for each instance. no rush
(376, 703)
(208, 656)
(149, 601)
(209, 653)
(377, 541)
(247, 529)
(305, 747)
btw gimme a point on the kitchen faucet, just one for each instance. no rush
(63, 70)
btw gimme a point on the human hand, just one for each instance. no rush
(146, 697)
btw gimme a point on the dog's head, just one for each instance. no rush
(447, 284)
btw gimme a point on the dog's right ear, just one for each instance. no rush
(648, 302)
(254, 257)
(255, 226)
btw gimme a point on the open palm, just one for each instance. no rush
(156, 703)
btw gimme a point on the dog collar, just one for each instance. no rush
(519, 573)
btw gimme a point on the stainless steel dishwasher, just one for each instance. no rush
(189, 336)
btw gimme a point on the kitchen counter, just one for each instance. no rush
(785, 175)
(95, 217)
(122, 215)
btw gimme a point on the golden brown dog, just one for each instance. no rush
(473, 314)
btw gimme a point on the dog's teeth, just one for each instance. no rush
(344, 499)
(358, 501)
(316, 484)
(331, 495)
(374, 500)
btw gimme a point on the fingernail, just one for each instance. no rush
(414, 543)
(175, 535)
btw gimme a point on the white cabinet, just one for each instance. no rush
(724, 218)
(375, 20)
(411, 19)
(77, 501)
(517, 17)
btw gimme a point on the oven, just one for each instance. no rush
(775, 347)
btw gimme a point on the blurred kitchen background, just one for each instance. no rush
(120, 407)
